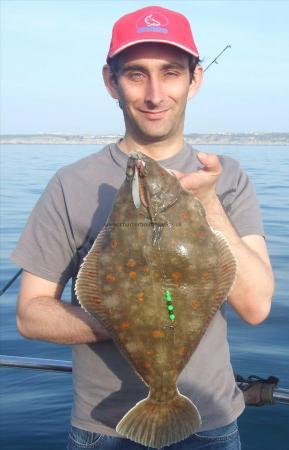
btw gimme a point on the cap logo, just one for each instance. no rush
(153, 22)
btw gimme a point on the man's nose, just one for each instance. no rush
(154, 92)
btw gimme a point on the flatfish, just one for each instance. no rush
(155, 276)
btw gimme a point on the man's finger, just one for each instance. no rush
(210, 161)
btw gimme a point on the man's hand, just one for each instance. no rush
(253, 288)
(203, 182)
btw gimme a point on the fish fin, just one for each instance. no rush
(158, 424)
(87, 286)
(227, 267)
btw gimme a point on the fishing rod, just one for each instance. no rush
(257, 391)
(10, 282)
(215, 60)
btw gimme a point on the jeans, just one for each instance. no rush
(224, 438)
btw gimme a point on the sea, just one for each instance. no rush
(35, 405)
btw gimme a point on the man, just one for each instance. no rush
(152, 70)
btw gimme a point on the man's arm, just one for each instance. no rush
(252, 291)
(41, 315)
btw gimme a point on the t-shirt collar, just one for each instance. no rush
(174, 162)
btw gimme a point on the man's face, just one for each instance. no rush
(153, 87)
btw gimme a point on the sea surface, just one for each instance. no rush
(35, 405)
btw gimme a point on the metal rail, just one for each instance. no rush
(263, 393)
(279, 395)
(55, 365)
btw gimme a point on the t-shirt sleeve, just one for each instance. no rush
(240, 201)
(46, 247)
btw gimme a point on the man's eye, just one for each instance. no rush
(171, 74)
(135, 76)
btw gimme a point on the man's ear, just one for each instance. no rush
(109, 82)
(196, 82)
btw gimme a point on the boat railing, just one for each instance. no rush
(257, 391)
(24, 362)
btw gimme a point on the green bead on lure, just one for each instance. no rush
(170, 306)
(168, 296)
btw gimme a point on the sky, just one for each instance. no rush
(52, 53)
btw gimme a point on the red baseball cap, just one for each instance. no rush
(152, 24)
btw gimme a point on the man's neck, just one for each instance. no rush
(156, 150)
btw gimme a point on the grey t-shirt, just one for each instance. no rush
(60, 231)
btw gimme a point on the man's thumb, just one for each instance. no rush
(210, 161)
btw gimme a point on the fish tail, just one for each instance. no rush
(157, 424)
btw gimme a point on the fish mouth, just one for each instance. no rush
(140, 166)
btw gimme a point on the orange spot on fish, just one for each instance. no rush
(113, 243)
(146, 364)
(97, 300)
(141, 235)
(140, 296)
(196, 304)
(184, 215)
(132, 275)
(145, 269)
(131, 263)
(183, 351)
(110, 277)
(149, 352)
(124, 325)
(205, 276)
(158, 334)
(176, 276)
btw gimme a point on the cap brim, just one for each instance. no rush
(159, 41)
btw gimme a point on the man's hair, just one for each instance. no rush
(114, 66)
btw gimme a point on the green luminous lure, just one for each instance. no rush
(170, 306)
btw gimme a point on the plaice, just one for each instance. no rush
(155, 277)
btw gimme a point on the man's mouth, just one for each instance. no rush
(154, 115)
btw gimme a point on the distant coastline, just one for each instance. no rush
(192, 138)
